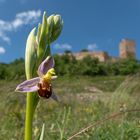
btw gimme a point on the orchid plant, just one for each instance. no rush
(39, 61)
(41, 84)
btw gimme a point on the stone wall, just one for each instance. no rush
(127, 49)
(102, 56)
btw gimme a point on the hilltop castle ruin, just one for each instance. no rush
(127, 49)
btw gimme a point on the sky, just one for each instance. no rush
(96, 25)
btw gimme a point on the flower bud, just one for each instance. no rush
(50, 21)
(57, 20)
(55, 25)
(41, 36)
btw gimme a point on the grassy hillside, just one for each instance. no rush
(84, 101)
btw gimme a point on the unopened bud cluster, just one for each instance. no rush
(39, 41)
(55, 25)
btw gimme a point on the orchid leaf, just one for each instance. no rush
(30, 57)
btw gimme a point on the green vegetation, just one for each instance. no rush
(84, 50)
(68, 65)
(12, 71)
(84, 101)
(89, 91)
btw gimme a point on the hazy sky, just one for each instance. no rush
(93, 24)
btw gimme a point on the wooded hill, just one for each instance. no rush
(65, 65)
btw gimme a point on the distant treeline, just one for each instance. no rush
(14, 70)
(68, 65)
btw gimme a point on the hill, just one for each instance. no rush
(68, 65)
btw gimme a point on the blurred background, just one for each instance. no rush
(97, 60)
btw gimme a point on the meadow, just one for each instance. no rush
(84, 101)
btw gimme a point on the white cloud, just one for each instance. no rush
(25, 18)
(64, 46)
(21, 19)
(2, 50)
(4, 37)
(92, 47)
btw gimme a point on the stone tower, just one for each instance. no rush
(127, 48)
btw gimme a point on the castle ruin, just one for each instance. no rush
(102, 56)
(127, 49)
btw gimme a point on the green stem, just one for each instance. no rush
(31, 103)
(29, 116)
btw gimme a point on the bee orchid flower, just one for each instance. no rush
(41, 84)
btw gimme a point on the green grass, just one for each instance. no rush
(84, 101)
